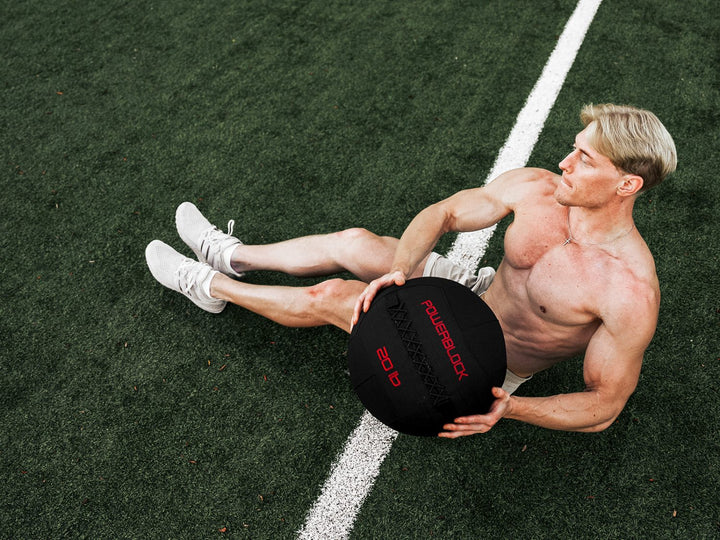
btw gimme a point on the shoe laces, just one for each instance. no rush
(188, 276)
(213, 241)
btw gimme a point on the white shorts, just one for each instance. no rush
(439, 266)
(513, 382)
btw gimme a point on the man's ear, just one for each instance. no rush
(631, 184)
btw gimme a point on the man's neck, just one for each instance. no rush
(594, 226)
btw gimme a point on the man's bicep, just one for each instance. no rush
(478, 208)
(629, 319)
(614, 357)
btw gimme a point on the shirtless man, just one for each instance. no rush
(576, 278)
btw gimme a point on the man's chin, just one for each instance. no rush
(563, 201)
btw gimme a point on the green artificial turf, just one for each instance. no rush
(126, 412)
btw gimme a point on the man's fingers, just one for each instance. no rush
(362, 304)
(468, 425)
(453, 431)
(474, 419)
(359, 306)
(367, 300)
(478, 423)
(452, 435)
(368, 295)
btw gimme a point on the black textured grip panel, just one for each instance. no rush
(399, 315)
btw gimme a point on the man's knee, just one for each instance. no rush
(333, 300)
(361, 243)
(351, 246)
(330, 291)
(356, 235)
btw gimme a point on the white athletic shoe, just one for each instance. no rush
(186, 276)
(209, 243)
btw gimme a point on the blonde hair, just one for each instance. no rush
(633, 139)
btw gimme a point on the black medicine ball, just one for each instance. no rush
(425, 353)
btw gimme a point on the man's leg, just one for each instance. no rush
(364, 254)
(329, 302)
(360, 252)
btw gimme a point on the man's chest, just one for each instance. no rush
(559, 280)
(562, 289)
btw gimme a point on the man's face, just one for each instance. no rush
(589, 178)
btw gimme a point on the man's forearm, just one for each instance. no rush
(467, 210)
(581, 411)
(418, 240)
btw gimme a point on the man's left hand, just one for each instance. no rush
(479, 423)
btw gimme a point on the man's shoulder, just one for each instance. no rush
(529, 175)
(632, 287)
(522, 185)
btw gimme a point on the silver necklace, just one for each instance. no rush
(570, 237)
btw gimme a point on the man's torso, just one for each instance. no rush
(549, 294)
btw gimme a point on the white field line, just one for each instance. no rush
(351, 479)
(468, 248)
(355, 470)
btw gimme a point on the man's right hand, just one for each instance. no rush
(368, 295)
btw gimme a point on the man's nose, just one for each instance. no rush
(565, 163)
